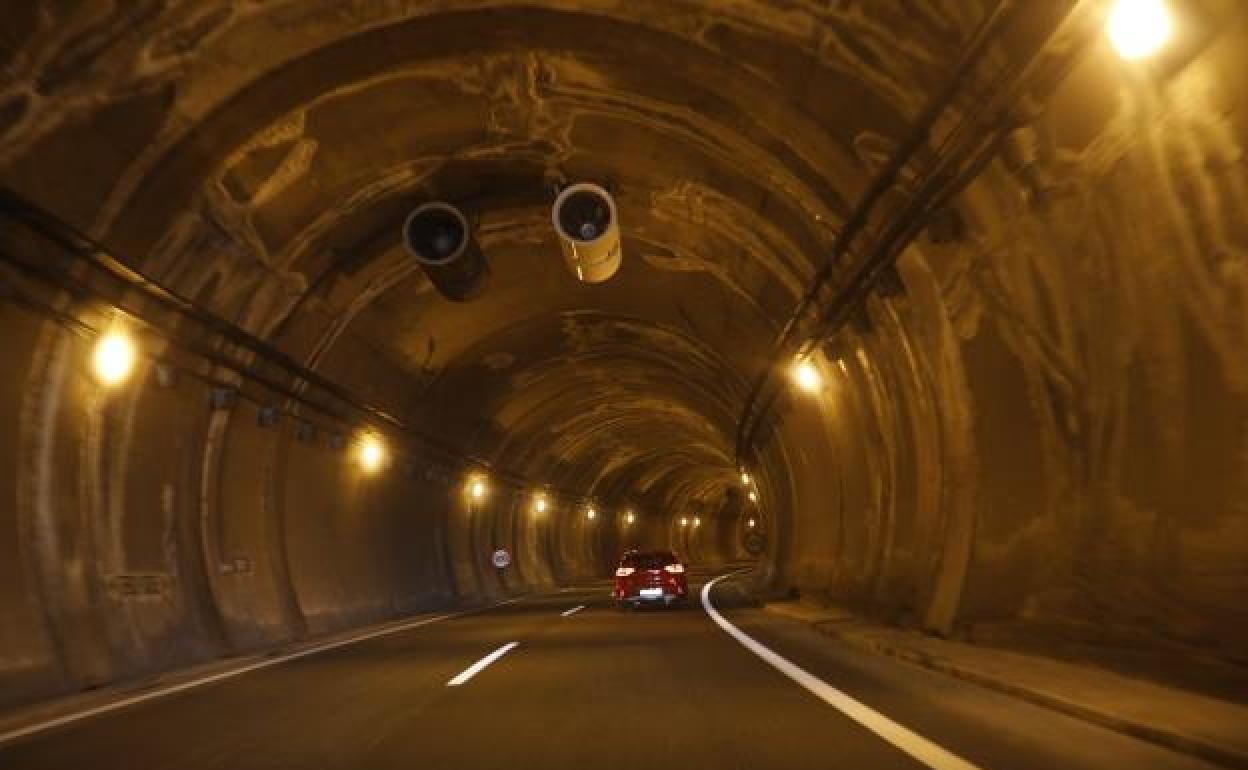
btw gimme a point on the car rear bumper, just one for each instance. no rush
(665, 600)
(668, 597)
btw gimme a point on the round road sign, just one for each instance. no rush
(755, 543)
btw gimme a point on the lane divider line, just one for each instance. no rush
(572, 611)
(274, 660)
(906, 740)
(480, 665)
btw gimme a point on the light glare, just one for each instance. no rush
(750, 524)
(629, 518)
(371, 453)
(590, 514)
(753, 496)
(807, 376)
(697, 522)
(684, 522)
(477, 489)
(113, 358)
(539, 505)
(1138, 28)
(745, 478)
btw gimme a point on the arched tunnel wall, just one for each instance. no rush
(1043, 437)
(151, 531)
(1041, 434)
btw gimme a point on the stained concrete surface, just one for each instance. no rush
(1040, 436)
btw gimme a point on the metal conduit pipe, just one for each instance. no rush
(933, 185)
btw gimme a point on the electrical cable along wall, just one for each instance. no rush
(1006, 406)
(233, 500)
(1022, 443)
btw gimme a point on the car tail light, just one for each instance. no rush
(624, 571)
(675, 569)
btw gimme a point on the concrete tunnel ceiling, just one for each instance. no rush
(261, 157)
(1029, 427)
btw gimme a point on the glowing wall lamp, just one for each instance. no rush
(478, 489)
(1139, 28)
(370, 453)
(539, 503)
(113, 357)
(806, 376)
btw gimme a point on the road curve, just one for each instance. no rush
(595, 688)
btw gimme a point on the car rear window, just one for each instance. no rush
(657, 560)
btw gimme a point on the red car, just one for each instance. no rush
(650, 577)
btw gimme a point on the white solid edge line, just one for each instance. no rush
(476, 668)
(572, 611)
(904, 739)
(66, 719)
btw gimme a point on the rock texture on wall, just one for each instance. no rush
(1039, 437)
(1049, 425)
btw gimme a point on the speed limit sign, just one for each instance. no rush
(501, 558)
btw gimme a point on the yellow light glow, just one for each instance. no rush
(590, 514)
(684, 522)
(807, 376)
(371, 453)
(113, 358)
(478, 489)
(1138, 28)
(629, 518)
(697, 522)
(750, 524)
(745, 478)
(539, 504)
(753, 496)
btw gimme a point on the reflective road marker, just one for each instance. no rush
(904, 739)
(476, 668)
(271, 660)
(574, 610)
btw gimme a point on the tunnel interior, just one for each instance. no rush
(1022, 423)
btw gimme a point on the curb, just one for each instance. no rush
(1151, 733)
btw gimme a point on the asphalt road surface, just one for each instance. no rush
(540, 684)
